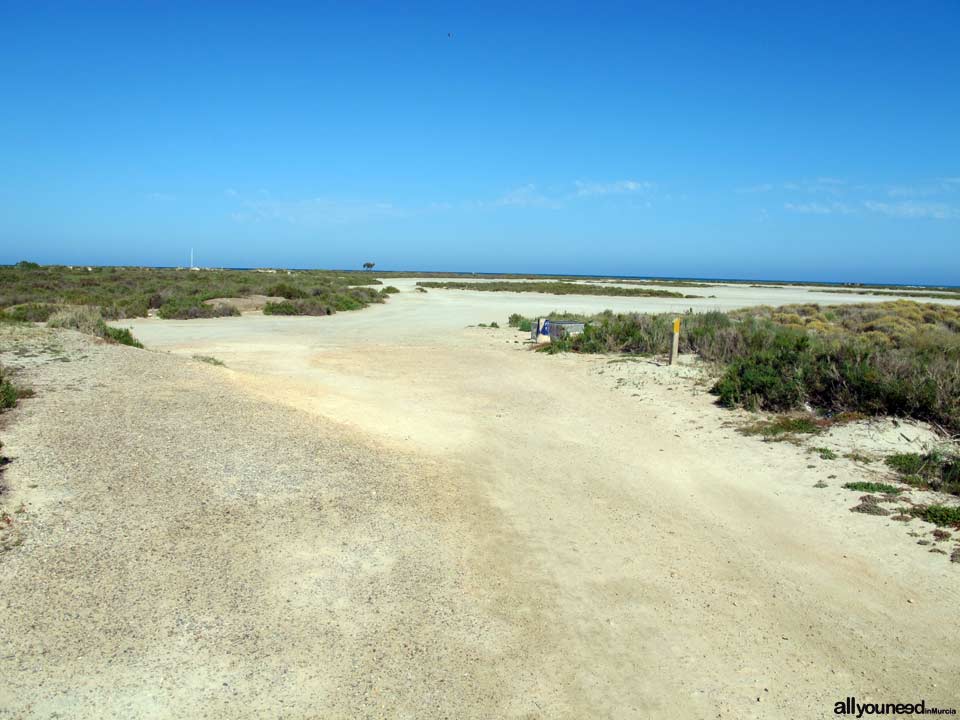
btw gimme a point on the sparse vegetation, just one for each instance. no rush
(939, 515)
(29, 312)
(826, 453)
(89, 321)
(935, 470)
(210, 360)
(558, 287)
(873, 487)
(785, 425)
(9, 392)
(898, 358)
(520, 322)
(192, 308)
(123, 336)
(34, 293)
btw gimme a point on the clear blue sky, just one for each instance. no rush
(813, 141)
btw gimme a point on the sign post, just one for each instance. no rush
(675, 347)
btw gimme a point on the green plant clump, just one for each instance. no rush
(873, 487)
(900, 358)
(935, 470)
(125, 292)
(520, 322)
(8, 391)
(940, 515)
(90, 322)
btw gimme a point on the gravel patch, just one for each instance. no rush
(187, 550)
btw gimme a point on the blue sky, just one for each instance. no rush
(809, 141)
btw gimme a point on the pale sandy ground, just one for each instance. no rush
(388, 514)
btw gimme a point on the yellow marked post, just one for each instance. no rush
(675, 346)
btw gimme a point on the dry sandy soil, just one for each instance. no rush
(387, 513)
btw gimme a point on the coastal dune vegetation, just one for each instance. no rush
(33, 293)
(899, 358)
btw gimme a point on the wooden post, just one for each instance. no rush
(675, 347)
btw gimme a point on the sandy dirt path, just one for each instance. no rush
(400, 516)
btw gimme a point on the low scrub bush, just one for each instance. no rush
(89, 321)
(210, 360)
(900, 359)
(520, 322)
(936, 470)
(940, 515)
(8, 391)
(31, 312)
(287, 291)
(126, 292)
(191, 309)
(123, 336)
(298, 307)
(873, 487)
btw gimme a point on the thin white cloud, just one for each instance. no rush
(313, 211)
(941, 186)
(526, 196)
(815, 208)
(617, 187)
(933, 211)
(829, 185)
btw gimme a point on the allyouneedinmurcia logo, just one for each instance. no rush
(851, 707)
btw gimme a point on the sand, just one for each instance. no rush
(387, 513)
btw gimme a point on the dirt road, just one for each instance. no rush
(388, 514)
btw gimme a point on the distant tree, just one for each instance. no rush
(368, 265)
(27, 265)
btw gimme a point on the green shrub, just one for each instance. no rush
(940, 515)
(298, 307)
(936, 470)
(209, 360)
(906, 463)
(8, 391)
(520, 322)
(873, 487)
(31, 312)
(287, 291)
(389, 290)
(122, 336)
(839, 361)
(193, 308)
(129, 292)
(772, 378)
(87, 320)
